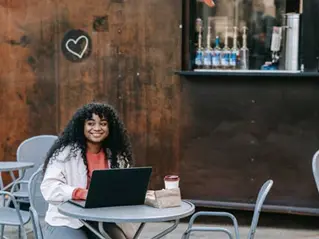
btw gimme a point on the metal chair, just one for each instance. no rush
(38, 206)
(263, 192)
(315, 168)
(12, 216)
(33, 150)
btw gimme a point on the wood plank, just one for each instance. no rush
(26, 74)
(150, 49)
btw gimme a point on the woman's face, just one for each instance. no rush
(96, 129)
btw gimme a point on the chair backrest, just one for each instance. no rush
(315, 168)
(263, 192)
(34, 150)
(35, 196)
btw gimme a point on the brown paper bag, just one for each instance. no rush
(163, 198)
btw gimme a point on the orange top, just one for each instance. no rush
(95, 161)
(209, 3)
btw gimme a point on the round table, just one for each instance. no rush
(10, 166)
(14, 165)
(133, 214)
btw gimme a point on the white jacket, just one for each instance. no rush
(64, 174)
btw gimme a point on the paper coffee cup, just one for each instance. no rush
(171, 181)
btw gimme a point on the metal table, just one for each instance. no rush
(10, 166)
(133, 214)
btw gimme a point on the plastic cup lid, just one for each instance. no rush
(171, 178)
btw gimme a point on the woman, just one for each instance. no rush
(95, 138)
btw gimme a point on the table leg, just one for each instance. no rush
(103, 235)
(137, 234)
(139, 230)
(168, 230)
(2, 199)
(1, 182)
(102, 231)
(93, 230)
(18, 179)
(160, 235)
(12, 175)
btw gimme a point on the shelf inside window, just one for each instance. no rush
(248, 73)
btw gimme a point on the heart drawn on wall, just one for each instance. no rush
(79, 43)
(76, 45)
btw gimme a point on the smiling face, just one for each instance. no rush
(96, 129)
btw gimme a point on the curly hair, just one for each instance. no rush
(116, 146)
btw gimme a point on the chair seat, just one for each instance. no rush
(9, 216)
(21, 195)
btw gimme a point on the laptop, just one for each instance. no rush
(117, 187)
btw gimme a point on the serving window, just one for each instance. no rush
(244, 35)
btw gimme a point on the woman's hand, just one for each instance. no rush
(80, 194)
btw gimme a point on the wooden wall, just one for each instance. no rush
(224, 136)
(131, 66)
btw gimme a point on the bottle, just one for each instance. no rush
(225, 54)
(199, 53)
(234, 52)
(208, 52)
(199, 25)
(244, 52)
(216, 54)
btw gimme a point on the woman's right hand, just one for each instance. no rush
(80, 194)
